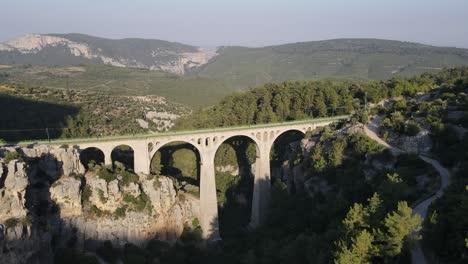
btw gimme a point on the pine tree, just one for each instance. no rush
(400, 224)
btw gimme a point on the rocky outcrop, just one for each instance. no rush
(66, 193)
(118, 219)
(82, 207)
(152, 54)
(421, 143)
(13, 194)
(55, 162)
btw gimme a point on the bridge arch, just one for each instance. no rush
(234, 178)
(91, 155)
(280, 153)
(178, 159)
(124, 154)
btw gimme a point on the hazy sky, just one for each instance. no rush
(242, 22)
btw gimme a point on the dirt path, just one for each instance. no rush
(371, 130)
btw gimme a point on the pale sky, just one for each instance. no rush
(242, 22)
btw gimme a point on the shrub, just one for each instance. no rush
(106, 174)
(11, 222)
(412, 129)
(120, 212)
(138, 204)
(128, 177)
(13, 155)
(86, 194)
(96, 212)
(101, 196)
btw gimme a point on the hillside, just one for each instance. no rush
(71, 49)
(199, 77)
(373, 59)
(28, 110)
(277, 102)
(192, 91)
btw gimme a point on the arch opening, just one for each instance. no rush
(123, 155)
(180, 161)
(234, 160)
(91, 156)
(285, 154)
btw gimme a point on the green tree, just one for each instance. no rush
(400, 224)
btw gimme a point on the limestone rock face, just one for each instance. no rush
(12, 196)
(160, 192)
(132, 189)
(17, 178)
(56, 162)
(66, 192)
(421, 143)
(99, 193)
(156, 210)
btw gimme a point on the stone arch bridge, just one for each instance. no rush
(207, 142)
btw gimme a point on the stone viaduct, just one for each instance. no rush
(207, 142)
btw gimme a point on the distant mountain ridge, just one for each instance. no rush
(375, 59)
(69, 49)
(236, 67)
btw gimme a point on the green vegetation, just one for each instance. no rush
(375, 59)
(181, 163)
(76, 113)
(276, 102)
(13, 155)
(192, 91)
(86, 194)
(139, 203)
(446, 224)
(371, 236)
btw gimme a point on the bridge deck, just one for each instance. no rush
(182, 132)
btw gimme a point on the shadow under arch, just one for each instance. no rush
(125, 155)
(179, 160)
(91, 155)
(282, 156)
(235, 182)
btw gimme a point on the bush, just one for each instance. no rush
(106, 174)
(120, 212)
(86, 194)
(138, 204)
(128, 177)
(412, 129)
(13, 155)
(11, 222)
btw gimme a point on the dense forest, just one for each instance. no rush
(276, 102)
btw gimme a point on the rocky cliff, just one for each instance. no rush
(49, 201)
(57, 49)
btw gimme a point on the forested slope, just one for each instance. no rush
(293, 100)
